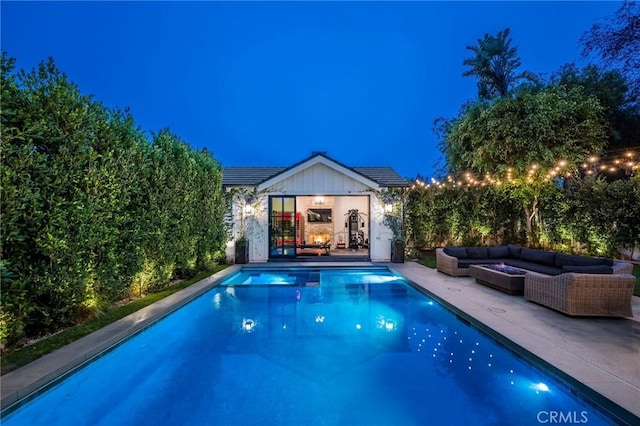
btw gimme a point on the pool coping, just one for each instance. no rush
(544, 333)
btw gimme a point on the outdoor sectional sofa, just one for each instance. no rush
(575, 285)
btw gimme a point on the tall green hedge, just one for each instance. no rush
(584, 215)
(92, 209)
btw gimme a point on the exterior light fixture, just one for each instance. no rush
(248, 209)
(388, 208)
(319, 200)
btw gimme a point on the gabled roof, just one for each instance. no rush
(385, 176)
(248, 176)
(254, 176)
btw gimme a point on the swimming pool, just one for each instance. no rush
(309, 346)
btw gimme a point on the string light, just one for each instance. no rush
(627, 162)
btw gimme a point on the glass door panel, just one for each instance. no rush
(282, 226)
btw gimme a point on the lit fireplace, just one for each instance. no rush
(319, 238)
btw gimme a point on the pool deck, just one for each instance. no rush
(601, 353)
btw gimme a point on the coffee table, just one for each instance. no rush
(504, 278)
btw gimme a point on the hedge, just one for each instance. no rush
(589, 215)
(93, 209)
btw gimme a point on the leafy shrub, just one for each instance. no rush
(92, 210)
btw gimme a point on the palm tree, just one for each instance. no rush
(494, 64)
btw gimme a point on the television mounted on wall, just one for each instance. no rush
(319, 216)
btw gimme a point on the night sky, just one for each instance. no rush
(267, 83)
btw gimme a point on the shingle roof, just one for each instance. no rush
(385, 176)
(248, 176)
(252, 176)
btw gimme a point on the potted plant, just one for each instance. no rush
(242, 250)
(394, 220)
(398, 241)
(397, 250)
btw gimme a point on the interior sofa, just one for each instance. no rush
(575, 285)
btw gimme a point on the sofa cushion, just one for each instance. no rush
(588, 269)
(514, 251)
(573, 260)
(498, 252)
(459, 252)
(538, 256)
(477, 252)
(534, 267)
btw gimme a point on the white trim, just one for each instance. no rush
(318, 160)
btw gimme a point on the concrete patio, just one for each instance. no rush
(601, 354)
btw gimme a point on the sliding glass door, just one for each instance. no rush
(282, 226)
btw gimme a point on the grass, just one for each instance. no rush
(430, 262)
(427, 260)
(27, 354)
(636, 272)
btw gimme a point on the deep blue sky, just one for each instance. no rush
(267, 83)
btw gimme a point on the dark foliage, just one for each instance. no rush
(92, 211)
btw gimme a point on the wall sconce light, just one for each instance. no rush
(248, 209)
(388, 208)
(319, 200)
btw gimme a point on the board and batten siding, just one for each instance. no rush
(319, 179)
(311, 180)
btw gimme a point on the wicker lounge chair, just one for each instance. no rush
(582, 294)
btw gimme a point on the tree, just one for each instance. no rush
(612, 90)
(533, 127)
(494, 64)
(617, 42)
(537, 128)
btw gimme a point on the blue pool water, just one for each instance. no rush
(309, 347)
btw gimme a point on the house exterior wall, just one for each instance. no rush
(380, 249)
(379, 235)
(317, 179)
(254, 225)
(258, 232)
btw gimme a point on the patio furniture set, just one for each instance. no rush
(574, 285)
